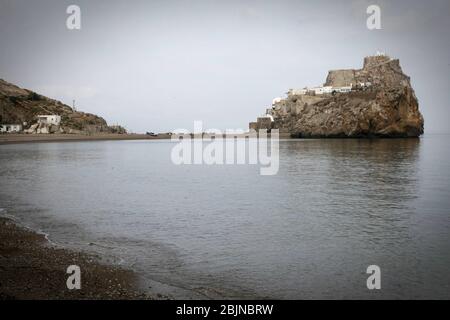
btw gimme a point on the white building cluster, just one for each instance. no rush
(42, 121)
(315, 91)
(326, 89)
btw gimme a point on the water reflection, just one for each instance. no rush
(335, 207)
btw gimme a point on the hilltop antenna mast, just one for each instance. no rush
(73, 105)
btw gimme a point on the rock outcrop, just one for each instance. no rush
(21, 106)
(381, 103)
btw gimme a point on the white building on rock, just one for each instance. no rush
(49, 119)
(10, 128)
(323, 90)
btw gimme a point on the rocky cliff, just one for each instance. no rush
(21, 106)
(381, 103)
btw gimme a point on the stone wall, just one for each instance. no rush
(340, 78)
(261, 123)
(373, 61)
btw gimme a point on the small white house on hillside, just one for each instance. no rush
(10, 128)
(49, 119)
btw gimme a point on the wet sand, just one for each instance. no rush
(27, 138)
(31, 268)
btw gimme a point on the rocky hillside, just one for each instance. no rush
(19, 106)
(381, 103)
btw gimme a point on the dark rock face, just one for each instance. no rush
(387, 107)
(18, 106)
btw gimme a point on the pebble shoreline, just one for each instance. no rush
(32, 269)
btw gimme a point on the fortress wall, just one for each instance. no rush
(375, 60)
(340, 78)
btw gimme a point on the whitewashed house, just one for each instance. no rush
(317, 90)
(49, 119)
(10, 128)
(322, 90)
(343, 89)
(327, 89)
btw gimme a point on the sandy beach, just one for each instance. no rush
(31, 138)
(31, 268)
(27, 138)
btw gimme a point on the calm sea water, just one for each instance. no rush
(334, 208)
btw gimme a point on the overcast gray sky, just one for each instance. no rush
(160, 65)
